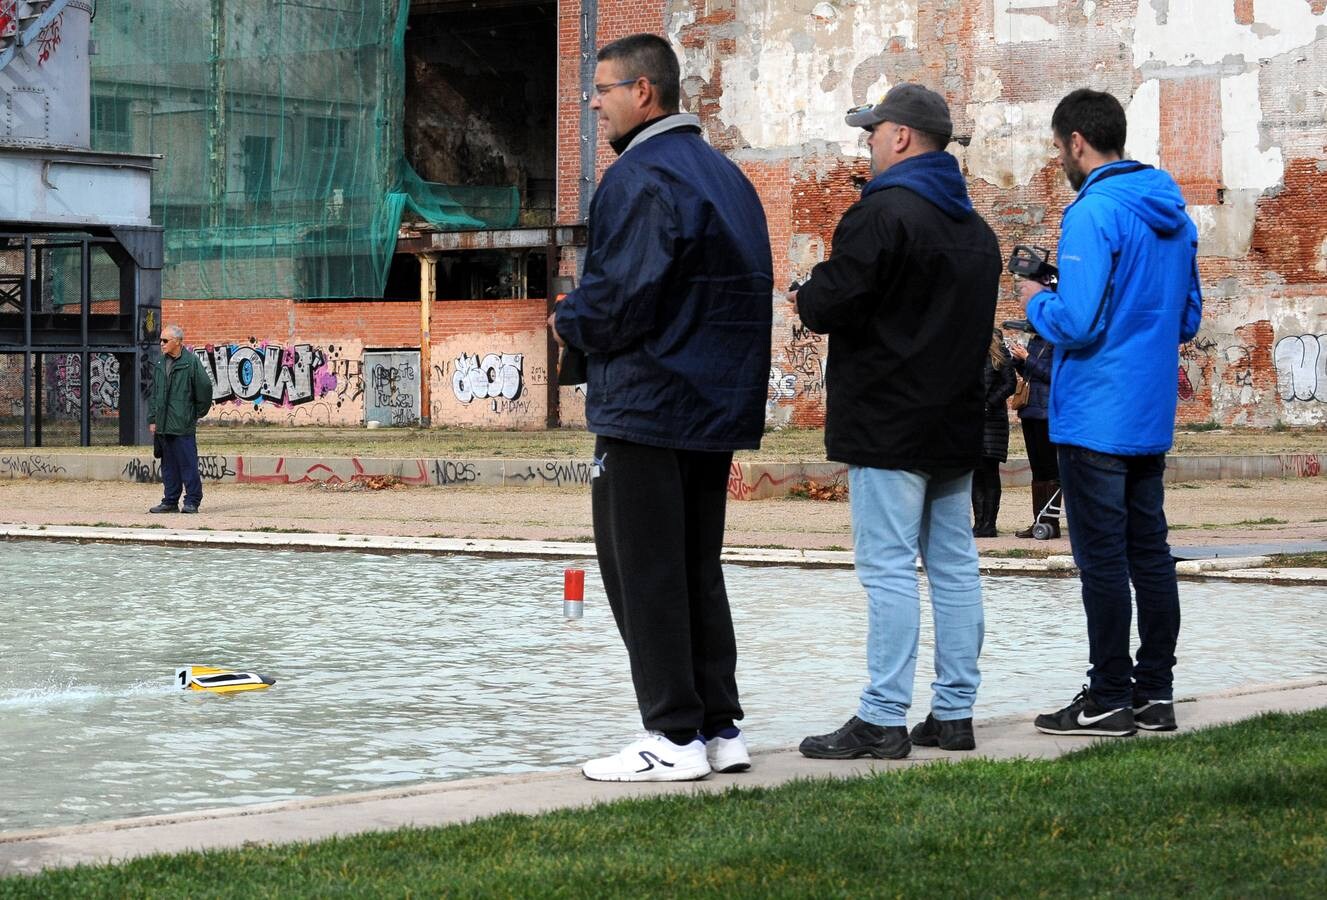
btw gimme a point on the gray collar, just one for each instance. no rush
(676, 120)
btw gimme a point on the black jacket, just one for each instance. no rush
(1000, 384)
(907, 298)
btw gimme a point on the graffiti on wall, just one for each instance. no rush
(64, 383)
(496, 377)
(262, 372)
(340, 376)
(394, 391)
(1301, 367)
(1195, 367)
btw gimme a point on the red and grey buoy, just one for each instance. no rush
(573, 593)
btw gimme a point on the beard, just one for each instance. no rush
(1074, 175)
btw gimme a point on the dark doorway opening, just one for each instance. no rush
(481, 97)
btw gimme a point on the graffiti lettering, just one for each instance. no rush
(392, 392)
(29, 466)
(49, 39)
(1301, 367)
(267, 372)
(446, 471)
(557, 473)
(214, 468)
(781, 386)
(143, 471)
(1305, 465)
(64, 383)
(495, 376)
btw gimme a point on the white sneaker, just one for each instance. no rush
(728, 754)
(651, 758)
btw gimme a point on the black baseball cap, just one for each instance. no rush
(907, 104)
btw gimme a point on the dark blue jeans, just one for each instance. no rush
(179, 469)
(1117, 526)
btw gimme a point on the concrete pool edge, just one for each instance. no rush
(452, 802)
(1242, 569)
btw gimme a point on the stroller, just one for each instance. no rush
(1046, 525)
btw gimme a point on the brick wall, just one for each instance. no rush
(1220, 94)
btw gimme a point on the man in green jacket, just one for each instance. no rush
(181, 395)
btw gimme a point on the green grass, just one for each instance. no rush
(1238, 811)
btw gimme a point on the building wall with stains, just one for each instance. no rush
(1230, 96)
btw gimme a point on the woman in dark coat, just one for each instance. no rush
(1034, 364)
(999, 382)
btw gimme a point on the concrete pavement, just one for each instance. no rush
(461, 801)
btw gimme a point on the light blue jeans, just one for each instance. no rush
(897, 516)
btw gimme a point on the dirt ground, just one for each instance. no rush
(1201, 513)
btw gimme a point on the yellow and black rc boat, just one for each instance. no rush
(220, 681)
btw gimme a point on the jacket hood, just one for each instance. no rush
(1149, 193)
(933, 176)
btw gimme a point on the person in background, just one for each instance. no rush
(673, 313)
(181, 395)
(1033, 362)
(999, 382)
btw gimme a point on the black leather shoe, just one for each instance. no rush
(856, 739)
(189, 508)
(164, 507)
(955, 734)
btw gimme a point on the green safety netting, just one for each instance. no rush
(279, 123)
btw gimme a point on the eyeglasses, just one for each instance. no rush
(167, 340)
(602, 89)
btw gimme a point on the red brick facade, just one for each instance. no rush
(1193, 110)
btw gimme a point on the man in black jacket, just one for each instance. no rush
(907, 299)
(673, 312)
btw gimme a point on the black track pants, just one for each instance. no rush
(658, 531)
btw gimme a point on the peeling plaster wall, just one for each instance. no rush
(1230, 96)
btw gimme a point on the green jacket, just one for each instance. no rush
(180, 401)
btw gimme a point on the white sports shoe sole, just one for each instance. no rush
(652, 758)
(728, 755)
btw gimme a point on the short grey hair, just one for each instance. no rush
(650, 57)
(174, 331)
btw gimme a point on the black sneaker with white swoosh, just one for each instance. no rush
(1085, 716)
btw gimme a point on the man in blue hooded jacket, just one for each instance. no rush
(1128, 296)
(673, 313)
(908, 299)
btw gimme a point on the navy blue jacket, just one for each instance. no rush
(1036, 371)
(675, 305)
(1128, 296)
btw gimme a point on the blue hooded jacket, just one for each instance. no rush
(1128, 296)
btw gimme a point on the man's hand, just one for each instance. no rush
(152, 428)
(1027, 289)
(552, 326)
(1018, 350)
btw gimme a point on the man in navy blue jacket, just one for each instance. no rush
(673, 312)
(1128, 296)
